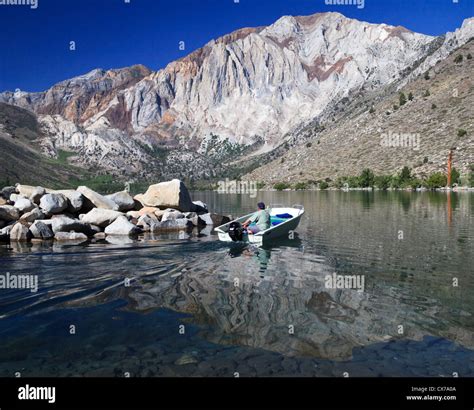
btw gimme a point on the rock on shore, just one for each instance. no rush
(37, 213)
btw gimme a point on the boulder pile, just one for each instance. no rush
(30, 213)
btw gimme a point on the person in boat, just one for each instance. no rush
(260, 220)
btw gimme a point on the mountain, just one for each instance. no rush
(353, 138)
(239, 96)
(21, 153)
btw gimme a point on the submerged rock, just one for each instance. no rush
(70, 236)
(149, 223)
(171, 194)
(121, 226)
(219, 220)
(100, 236)
(171, 215)
(175, 225)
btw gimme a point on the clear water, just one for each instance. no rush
(257, 312)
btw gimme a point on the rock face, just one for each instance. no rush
(172, 194)
(53, 203)
(9, 213)
(97, 200)
(122, 226)
(101, 217)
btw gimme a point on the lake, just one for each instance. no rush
(189, 305)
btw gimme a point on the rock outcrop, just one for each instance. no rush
(80, 215)
(172, 194)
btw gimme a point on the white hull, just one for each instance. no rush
(283, 229)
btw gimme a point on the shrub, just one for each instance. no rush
(323, 185)
(402, 99)
(372, 110)
(458, 59)
(455, 176)
(280, 186)
(353, 182)
(469, 56)
(405, 175)
(433, 106)
(427, 93)
(436, 180)
(415, 183)
(260, 185)
(461, 132)
(425, 160)
(395, 107)
(410, 96)
(301, 185)
(383, 181)
(471, 177)
(366, 178)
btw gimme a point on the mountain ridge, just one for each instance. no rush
(242, 92)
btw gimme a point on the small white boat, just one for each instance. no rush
(284, 220)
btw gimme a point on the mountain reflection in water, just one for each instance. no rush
(266, 307)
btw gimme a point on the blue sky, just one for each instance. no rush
(34, 45)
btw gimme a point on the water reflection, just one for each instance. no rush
(242, 297)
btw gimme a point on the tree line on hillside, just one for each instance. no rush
(402, 180)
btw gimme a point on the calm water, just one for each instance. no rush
(280, 319)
